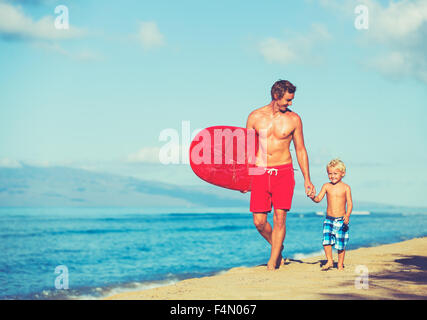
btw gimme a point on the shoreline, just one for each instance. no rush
(390, 271)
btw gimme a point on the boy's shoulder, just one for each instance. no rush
(345, 185)
(326, 187)
(340, 185)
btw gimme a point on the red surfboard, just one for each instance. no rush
(224, 156)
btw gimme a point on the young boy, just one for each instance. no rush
(335, 226)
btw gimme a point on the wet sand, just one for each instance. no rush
(392, 271)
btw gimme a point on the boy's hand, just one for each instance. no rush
(346, 219)
(244, 191)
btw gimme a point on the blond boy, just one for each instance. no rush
(335, 226)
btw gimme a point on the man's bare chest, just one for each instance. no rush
(279, 128)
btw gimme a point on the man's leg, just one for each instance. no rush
(265, 229)
(277, 237)
(262, 225)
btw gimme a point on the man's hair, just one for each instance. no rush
(336, 163)
(280, 87)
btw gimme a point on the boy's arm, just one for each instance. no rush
(321, 194)
(349, 204)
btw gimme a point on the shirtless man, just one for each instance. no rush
(277, 126)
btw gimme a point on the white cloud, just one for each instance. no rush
(81, 55)
(274, 50)
(398, 30)
(145, 155)
(298, 48)
(401, 28)
(150, 36)
(9, 163)
(398, 64)
(15, 25)
(170, 153)
(401, 21)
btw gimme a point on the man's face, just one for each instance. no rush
(286, 101)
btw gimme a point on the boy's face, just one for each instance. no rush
(335, 175)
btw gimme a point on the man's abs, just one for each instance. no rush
(273, 153)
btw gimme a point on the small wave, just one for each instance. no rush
(95, 293)
(104, 292)
(71, 232)
(213, 229)
(301, 256)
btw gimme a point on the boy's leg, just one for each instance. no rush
(341, 255)
(277, 237)
(328, 253)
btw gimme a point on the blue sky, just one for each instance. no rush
(98, 95)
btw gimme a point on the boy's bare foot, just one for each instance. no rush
(327, 266)
(341, 268)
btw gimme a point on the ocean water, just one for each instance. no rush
(78, 253)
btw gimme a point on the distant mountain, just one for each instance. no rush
(61, 186)
(30, 186)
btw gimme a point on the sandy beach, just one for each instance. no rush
(392, 271)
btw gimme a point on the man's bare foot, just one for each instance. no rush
(341, 268)
(271, 265)
(280, 260)
(327, 266)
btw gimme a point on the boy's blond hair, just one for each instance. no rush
(336, 163)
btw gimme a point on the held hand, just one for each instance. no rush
(244, 191)
(309, 189)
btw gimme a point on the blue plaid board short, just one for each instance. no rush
(335, 232)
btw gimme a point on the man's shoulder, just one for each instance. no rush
(262, 109)
(258, 112)
(294, 116)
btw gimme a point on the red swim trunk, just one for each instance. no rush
(274, 187)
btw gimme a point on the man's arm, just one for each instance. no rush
(302, 157)
(250, 125)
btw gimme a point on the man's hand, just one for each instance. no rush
(244, 191)
(310, 191)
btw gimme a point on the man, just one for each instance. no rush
(277, 126)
